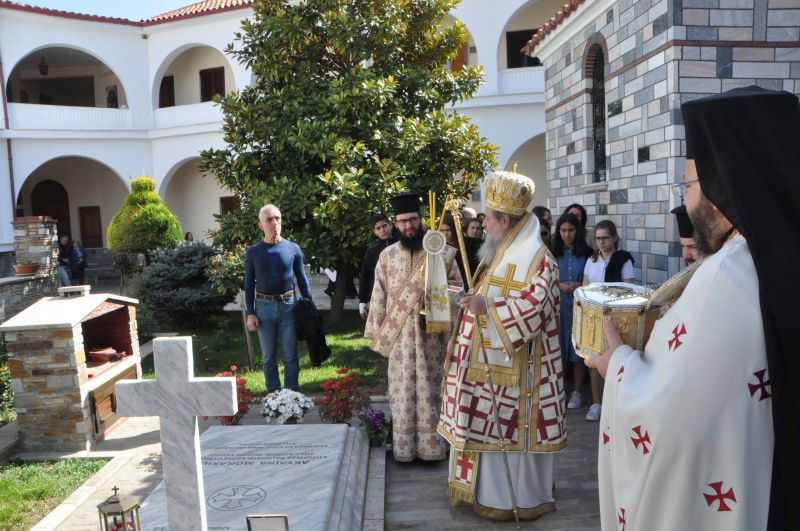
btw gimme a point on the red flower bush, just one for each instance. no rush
(343, 399)
(243, 398)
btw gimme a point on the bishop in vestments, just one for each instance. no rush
(701, 430)
(398, 331)
(515, 304)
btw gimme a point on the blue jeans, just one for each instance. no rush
(64, 275)
(276, 323)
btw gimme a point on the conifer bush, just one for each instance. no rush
(175, 286)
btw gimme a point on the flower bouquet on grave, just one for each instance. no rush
(377, 425)
(342, 397)
(286, 407)
(243, 398)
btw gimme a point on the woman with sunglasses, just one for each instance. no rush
(608, 264)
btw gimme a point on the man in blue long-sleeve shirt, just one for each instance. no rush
(270, 269)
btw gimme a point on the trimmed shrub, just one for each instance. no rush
(175, 287)
(143, 224)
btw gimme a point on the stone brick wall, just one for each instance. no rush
(658, 54)
(47, 368)
(35, 239)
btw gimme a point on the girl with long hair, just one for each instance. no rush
(571, 251)
(608, 264)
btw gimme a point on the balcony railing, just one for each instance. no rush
(521, 80)
(59, 117)
(192, 114)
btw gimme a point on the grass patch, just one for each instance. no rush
(222, 343)
(28, 492)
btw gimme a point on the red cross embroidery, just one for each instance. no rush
(606, 438)
(644, 440)
(720, 496)
(466, 466)
(677, 332)
(619, 373)
(762, 385)
(621, 519)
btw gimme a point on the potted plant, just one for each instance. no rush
(343, 399)
(286, 407)
(377, 425)
(243, 398)
(27, 267)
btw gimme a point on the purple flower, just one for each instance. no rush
(374, 418)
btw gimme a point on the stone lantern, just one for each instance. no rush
(119, 514)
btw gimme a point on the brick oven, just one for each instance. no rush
(65, 354)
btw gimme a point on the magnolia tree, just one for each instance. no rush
(347, 108)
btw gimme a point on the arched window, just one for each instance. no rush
(599, 115)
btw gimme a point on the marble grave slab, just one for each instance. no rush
(315, 473)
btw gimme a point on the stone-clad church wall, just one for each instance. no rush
(658, 54)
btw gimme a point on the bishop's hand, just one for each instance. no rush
(475, 304)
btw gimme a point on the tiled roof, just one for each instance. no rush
(195, 10)
(199, 9)
(565, 11)
(8, 4)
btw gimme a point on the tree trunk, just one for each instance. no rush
(339, 294)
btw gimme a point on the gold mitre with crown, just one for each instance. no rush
(509, 192)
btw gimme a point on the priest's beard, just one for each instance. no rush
(413, 243)
(488, 249)
(709, 235)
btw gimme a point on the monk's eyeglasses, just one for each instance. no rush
(679, 189)
(409, 221)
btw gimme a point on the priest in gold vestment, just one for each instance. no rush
(398, 331)
(516, 302)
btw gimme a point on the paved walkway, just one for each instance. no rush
(416, 493)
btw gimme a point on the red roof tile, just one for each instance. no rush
(199, 9)
(195, 10)
(8, 4)
(562, 14)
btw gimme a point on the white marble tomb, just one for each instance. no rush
(316, 474)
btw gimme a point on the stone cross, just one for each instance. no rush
(178, 398)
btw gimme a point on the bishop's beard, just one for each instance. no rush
(488, 249)
(413, 243)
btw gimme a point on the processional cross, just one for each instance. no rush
(178, 398)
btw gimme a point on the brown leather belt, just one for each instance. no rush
(275, 298)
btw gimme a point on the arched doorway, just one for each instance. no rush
(195, 197)
(49, 198)
(82, 193)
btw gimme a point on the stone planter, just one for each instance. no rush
(26, 269)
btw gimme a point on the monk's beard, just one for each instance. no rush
(488, 249)
(709, 236)
(412, 243)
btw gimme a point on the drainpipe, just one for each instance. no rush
(8, 141)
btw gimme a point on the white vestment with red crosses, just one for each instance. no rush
(521, 290)
(686, 436)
